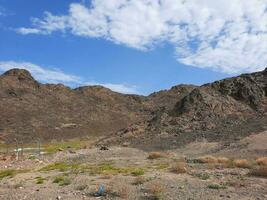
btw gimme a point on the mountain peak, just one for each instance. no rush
(21, 74)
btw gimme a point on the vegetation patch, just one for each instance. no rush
(39, 180)
(262, 161)
(138, 172)
(81, 187)
(139, 180)
(202, 176)
(179, 168)
(10, 173)
(156, 190)
(162, 165)
(108, 168)
(242, 163)
(207, 159)
(72, 144)
(156, 155)
(62, 181)
(61, 167)
(216, 186)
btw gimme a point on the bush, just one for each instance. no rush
(62, 181)
(155, 155)
(202, 176)
(242, 163)
(40, 180)
(207, 159)
(262, 161)
(179, 168)
(138, 172)
(139, 180)
(156, 189)
(11, 173)
(223, 160)
(216, 186)
(81, 187)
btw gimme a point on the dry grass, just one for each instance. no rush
(207, 159)
(119, 188)
(155, 155)
(260, 171)
(124, 191)
(139, 180)
(226, 162)
(223, 160)
(179, 168)
(242, 163)
(156, 190)
(262, 161)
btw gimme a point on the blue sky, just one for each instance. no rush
(132, 46)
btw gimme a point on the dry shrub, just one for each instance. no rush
(223, 160)
(139, 180)
(179, 168)
(155, 155)
(156, 189)
(262, 161)
(260, 171)
(207, 159)
(119, 188)
(124, 191)
(242, 163)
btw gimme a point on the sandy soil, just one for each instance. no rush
(201, 181)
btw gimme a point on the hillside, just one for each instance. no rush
(225, 110)
(229, 108)
(31, 110)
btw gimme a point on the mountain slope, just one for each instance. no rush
(224, 110)
(30, 110)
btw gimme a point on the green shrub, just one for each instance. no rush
(138, 172)
(62, 181)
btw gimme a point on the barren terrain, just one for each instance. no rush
(199, 170)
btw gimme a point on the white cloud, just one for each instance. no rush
(55, 76)
(25, 31)
(122, 88)
(223, 35)
(40, 73)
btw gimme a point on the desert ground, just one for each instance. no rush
(82, 170)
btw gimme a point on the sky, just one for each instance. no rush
(133, 46)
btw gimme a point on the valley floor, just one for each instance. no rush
(128, 173)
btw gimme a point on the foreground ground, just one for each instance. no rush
(127, 173)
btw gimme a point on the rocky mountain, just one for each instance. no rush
(225, 110)
(31, 110)
(222, 110)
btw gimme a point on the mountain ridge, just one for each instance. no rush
(31, 110)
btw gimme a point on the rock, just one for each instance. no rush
(58, 198)
(72, 152)
(104, 148)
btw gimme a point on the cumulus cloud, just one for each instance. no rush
(223, 35)
(55, 76)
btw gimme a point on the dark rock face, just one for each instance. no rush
(223, 110)
(228, 96)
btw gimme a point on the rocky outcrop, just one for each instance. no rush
(223, 110)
